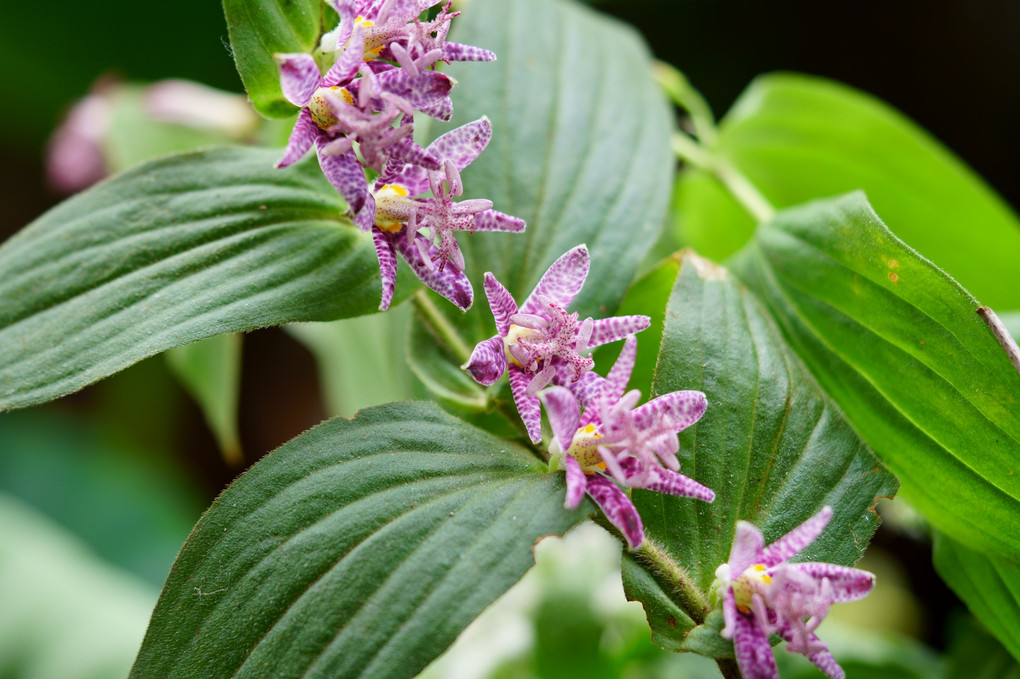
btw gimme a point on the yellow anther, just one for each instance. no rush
(751, 582)
(367, 23)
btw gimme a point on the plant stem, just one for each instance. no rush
(675, 84)
(729, 668)
(442, 327)
(690, 598)
(690, 151)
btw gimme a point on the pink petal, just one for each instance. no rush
(346, 67)
(387, 267)
(564, 414)
(448, 281)
(670, 482)
(678, 409)
(528, 406)
(304, 134)
(453, 51)
(752, 650)
(576, 483)
(493, 220)
(611, 329)
(746, 550)
(501, 302)
(617, 507)
(797, 539)
(488, 361)
(463, 144)
(562, 281)
(299, 77)
(345, 174)
(848, 584)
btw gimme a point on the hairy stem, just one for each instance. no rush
(687, 594)
(442, 327)
(746, 193)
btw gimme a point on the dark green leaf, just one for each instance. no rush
(989, 586)
(210, 371)
(773, 447)
(799, 138)
(259, 29)
(577, 148)
(359, 549)
(898, 345)
(179, 249)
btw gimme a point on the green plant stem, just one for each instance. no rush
(746, 193)
(690, 598)
(679, 89)
(729, 668)
(442, 327)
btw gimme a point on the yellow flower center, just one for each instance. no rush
(584, 449)
(515, 333)
(386, 218)
(320, 108)
(752, 581)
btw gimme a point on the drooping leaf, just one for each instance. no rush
(576, 148)
(799, 138)
(990, 587)
(176, 250)
(359, 549)
(210, 370)
(259, 29)
(771, 445)
(898, 345)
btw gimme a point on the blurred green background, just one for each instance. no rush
(101, 488)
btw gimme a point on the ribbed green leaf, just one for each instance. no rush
(179, 249)
(260, 28)
(988, 585)
(799, 138)
(771, 445)
(898, 345)
(359, 549)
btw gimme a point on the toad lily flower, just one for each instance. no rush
(636, 446)
(540, 343)
(436, 258)
(763, 595)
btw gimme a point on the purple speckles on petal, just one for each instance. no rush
(847, 584)
(618, 509)
(576, 483)
(447, 281)
(671, 483)
(607, 330)
(453, 51)
(493, 220)
(462, 145)
(564, 414)
(501, 302)
(299, 77)
(387, 267)
(747, 545)
(752, 649)
(488, 361)
(680, 409)
(344, 172)
(527, 406)
(562, 281)
(797, 539)
(302, 137)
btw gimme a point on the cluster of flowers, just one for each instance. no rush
(603, 438)
(360, 115)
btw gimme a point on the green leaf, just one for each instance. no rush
(259, 29)
(771, 445)
(359, 549)
(210, 371)
(439, 371)
(174, 251)
(359, 359)
(898, 345)
(799, 138)
(989, 586)
(577, 145)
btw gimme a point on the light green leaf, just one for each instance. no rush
(359, 549)
(259, 29)
(771, 445)
(799, 138)
(577, 145)
(990, 587)
(440, 372)
(210, 371)
(360, 359)
(898, 345)
(174, 251)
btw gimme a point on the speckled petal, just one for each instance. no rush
(667, 481)
(345, 174)
(501, 302)
(752, 650)
(680, 409)
(455, 51)
(528, 406)
(299, 77)
(576, 483)
(619, 374)
(488, 361)
(346, 67)
(617, 507)
(587, 387)
(494, 220)
(746, 550)
(562, 281)
(608, 330)
(824, 661)
(387, 267)
(797, 539)
(848, 584)
(463, 144)
(440, 110)
(302, 137)
(423, 90)
(563, 412)
(448, 281)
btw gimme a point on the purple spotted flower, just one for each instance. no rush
(402, 212)
(541, 343)
(763, 595)
(635, 446)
